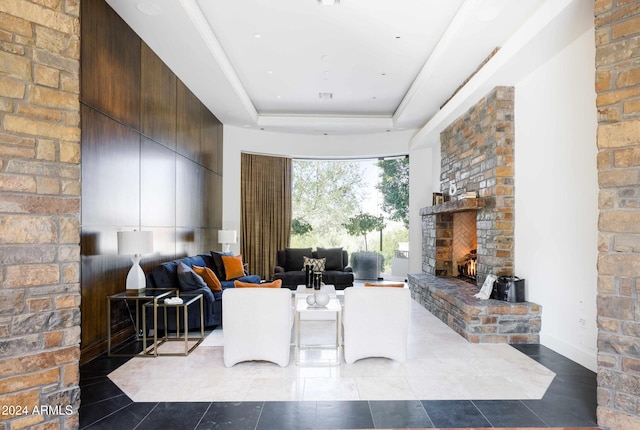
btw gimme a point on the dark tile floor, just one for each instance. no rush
(570, 401)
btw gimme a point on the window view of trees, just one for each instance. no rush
(358, 205)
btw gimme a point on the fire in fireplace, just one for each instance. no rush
(468, 266)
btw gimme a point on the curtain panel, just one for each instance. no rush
(265, 210)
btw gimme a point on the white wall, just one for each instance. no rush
(238, 140)
(556, 195)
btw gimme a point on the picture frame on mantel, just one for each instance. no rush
(438, 199)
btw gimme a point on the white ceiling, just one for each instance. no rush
(389, 64)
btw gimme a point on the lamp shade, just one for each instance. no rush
(227, 236)
(135, 242)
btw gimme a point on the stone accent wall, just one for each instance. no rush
(39, 214)
(477, 154)
(617, 24)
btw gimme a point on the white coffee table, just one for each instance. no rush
(317, 354)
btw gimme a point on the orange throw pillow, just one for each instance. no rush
(209, 277)
(233, 267)
(396, 285)
(275, 284)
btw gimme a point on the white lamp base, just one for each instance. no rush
(135, 278)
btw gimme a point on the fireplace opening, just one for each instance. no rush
(468, 266)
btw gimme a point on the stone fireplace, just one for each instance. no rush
(477, 156)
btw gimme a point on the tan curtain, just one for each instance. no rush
(265, 210)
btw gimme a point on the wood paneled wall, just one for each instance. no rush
(151, 160)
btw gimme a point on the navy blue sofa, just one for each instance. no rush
(166, 276)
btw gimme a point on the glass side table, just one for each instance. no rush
(181, 309)
(328, 354)
(139, 298)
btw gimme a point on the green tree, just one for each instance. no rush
(300, 227)
(394, 186)
(362, 224)
(325, 193)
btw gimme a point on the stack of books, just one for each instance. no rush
(469, 195)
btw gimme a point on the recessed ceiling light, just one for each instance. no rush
(323, 57)
(148, 8)
(269, 72)
(325, 96)
(278, 97)
(326, 72)
(329, 2)
(257, 35)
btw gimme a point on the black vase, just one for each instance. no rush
(317, 280)
(309, 276)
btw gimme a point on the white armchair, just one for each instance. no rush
(376, 322)
(256, 324)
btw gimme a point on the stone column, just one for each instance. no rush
(617, 24)
(39, 214)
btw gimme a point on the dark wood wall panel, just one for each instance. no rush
(110, 53)
(209, 140)
(188, 123)
(151, 160)
(110, 171)
(158, 185)
(158, 99)
(190, 193)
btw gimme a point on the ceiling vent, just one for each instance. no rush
(325, 96)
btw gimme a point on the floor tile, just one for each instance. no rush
(231, 416)
(287, 415)
(454, 413)
(276, 389)
(508, 413)
(386, 388)
(399, 414)
(174, 416)
(126, 418)
(330, 389)
(343, 415)
(94, 412)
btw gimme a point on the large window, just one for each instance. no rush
(360, 205)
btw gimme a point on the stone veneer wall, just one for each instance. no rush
(477, 154)
(39, 213)
(617, 24)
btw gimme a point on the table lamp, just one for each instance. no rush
(135, 243)
(227, 237)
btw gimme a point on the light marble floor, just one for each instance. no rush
(441, 365)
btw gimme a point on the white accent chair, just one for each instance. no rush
(256, 324)
(376, 322)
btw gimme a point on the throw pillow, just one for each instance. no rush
(218, 265)
(392, 284)
(275, 284)
(317, 264)
(209, 277)
(233, 267)
(333, 256)
(188, 279)
(294, 258)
